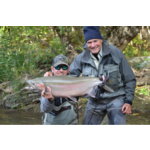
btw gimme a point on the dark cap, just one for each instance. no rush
(60, 60)
(92, 32)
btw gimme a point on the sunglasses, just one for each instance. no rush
(63, 67)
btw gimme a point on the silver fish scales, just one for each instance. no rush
(68, 86)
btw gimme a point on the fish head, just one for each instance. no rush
(38, 85)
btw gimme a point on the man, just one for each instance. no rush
(58, 110)
(102, 59)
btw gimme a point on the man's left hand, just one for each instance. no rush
(126, 108)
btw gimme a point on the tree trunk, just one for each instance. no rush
(66, 38)
(120, 36)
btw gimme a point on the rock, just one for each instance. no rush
(20, 98)
(134, 71)
(2, 94)
(31, 107)
(37, 100)
(146, 63)
(8, 90)
(143, 81)
(136, 60)
(140, 62)
(146, 72)
(4, 85)
(139, 74)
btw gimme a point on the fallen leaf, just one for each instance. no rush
(80, 107)
(135, 114)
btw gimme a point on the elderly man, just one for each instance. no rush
(102, 59)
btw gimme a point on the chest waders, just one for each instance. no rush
(100, 71)
(64, 114)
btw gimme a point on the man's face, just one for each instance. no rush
(94, 45)
(60, 70)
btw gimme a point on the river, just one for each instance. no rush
(140, 115)
(13, 117)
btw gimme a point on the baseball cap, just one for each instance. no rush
(60, 60)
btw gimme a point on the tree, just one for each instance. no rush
(24, 49)
(73, 37)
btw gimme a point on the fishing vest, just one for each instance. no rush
(109, 67)
(115, 82)
(114, 64)
(64, 114)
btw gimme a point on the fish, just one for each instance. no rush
(68, 86)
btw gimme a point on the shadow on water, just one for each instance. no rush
(140, 114)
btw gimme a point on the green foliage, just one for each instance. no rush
(23, 49)
(26, 49)
(138, 47)
(144, 91)
(73, 34)
(65, 29)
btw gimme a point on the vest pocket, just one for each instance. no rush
(114, 76)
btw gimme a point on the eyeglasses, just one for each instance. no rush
(63, 67)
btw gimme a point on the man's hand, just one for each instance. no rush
(49, 96)
(48, 74)
(102, 78)
(126, 108)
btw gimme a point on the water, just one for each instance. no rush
(13, 117)
(133, 119)
(140, 114)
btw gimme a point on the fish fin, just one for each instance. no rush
(41, 86)
(107, 88)
(91, 93)
(73, 98)
(32, 89)
(46, 90)
(45, 87)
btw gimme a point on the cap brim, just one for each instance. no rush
(60, 63)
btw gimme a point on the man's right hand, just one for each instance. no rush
(48, 94)
(48, 74)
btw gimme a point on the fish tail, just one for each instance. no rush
(109, 89)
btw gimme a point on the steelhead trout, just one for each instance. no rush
(68, 86)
